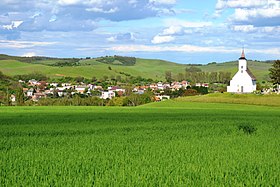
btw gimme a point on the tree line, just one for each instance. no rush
(196, 75)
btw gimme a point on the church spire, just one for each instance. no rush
(242, 55)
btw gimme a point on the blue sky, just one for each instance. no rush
(183, 31)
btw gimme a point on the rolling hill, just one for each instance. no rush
(147, 68)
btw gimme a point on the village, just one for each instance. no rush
(35, 90)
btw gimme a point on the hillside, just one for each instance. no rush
(147, 68)
(216, 98)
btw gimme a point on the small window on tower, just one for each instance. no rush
(241, 67)
(241, 71)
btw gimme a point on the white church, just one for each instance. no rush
(243, 81)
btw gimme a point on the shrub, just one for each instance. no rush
(247, 129)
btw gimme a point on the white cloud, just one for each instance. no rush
(13, 25)
(222, 4)
(100, 10)
(168, 2)
(29, 54)
(182, 48)
(69, 2)
(172, 30)
(177, 27)
(190, 49)
(162, 39)
(112, 39)
(252, 28)
(23, 44)
(244, 28)
(251, 12)
(247, 14)
(187, 24)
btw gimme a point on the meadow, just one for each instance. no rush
(147, 68)
(173, 143)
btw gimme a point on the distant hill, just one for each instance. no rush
(114, 66)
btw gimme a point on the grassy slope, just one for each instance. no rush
(259, 69)
(249, 99)
(154, 69)
(188, 144)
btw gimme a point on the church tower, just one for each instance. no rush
(243, 81)
(242, 63)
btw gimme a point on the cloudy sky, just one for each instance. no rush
(183, 31)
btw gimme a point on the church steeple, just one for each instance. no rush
(242, 55)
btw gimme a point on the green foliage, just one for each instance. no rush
(117, 101)
(168, 76)
(193, 69)
(35, 75)
(71, 62)
(200, 89)
(138, 99)
(40, 59)
(146, 68)
(117, 60)
(76, 100)
(275, 72)
(247, 129)
(185, 144)
(19, 96)
(190, 92)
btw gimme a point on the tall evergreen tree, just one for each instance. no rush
(275, 73)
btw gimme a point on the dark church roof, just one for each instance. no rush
(242, 55)
(251, 74)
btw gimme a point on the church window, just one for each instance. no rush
(241, 71)
(241, 67)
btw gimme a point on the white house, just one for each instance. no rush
(30, 92)
(107, 94)
(243, 81)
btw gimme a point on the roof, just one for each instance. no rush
(242, 55)
(251, 74)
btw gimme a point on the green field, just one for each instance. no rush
(174, 143)
(147, 68)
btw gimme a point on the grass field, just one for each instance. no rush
(147, 68)
(249, 99)
(163, 144)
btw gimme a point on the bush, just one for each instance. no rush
(190, 92)
(247, 129)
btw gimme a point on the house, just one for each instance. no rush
(162, 97)
(54, 84)
(185, 84)
(97, 88)
(81, 89)
(166, 86)
(153, 87)
(21, 81)
(160, 86)
(116, 89)
(13, 98)
(30, 92)
(176, 85)
(243, 81)
(206, 85)
(107, 94)
(38, 96)
(33, 82)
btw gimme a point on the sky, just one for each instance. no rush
(182, 31)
